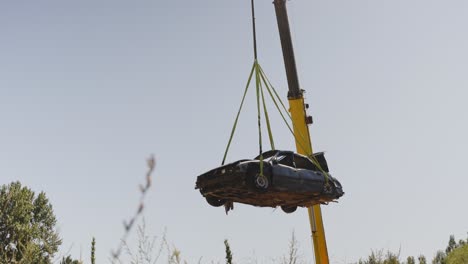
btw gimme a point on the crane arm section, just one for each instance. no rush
(300, 127)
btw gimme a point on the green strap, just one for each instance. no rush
(259, 78)
(266, 80)
(267, 118)
(238, 113)
(278, 108)
(257, 84)
(269, 89)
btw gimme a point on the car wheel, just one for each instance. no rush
(215, 201)
(261, 182)
(288, 209)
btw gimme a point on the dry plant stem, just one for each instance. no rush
(128, 225)
(293, 254)
(147, 252)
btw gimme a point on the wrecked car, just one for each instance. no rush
(289, 180)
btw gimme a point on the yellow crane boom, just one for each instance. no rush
(300, 120)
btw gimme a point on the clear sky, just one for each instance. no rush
(88, 89)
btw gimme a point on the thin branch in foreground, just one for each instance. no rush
(128, 225)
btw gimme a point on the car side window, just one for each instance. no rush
(285, 159)
(304, 163)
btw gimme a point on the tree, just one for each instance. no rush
(410, 260)
(27, 226)
(440, 257)
(458, 255)
(392, 258)
(422, 259)
(452, 244)
(93, 251)
(378, 257)
(228, 252)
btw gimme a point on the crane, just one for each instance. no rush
(300, 120)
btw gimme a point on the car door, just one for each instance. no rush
(285, 176)
(311, 178)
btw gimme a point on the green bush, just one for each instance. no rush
(458, 255)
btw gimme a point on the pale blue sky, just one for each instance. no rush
(88, 89)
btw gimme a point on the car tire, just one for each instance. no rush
(215, 201)
(288, 209)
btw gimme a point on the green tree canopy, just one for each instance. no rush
(458, 255)
(27, 226)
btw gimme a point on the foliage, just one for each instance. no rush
(440, 258)
(293, 254)
(147, 252)
(128, 225)
(451, 245)
(374, 258)
(458, 255)
(175, 257)
(69, 260)
(455, 253)
(378, 257)
(27, 226)
(93, 251)
(228, 252)
(392, 258)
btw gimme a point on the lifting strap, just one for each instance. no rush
(267, 118)
(257, 84)
(274, 94)
(238, 113)
(260, 99)
(261, 81)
